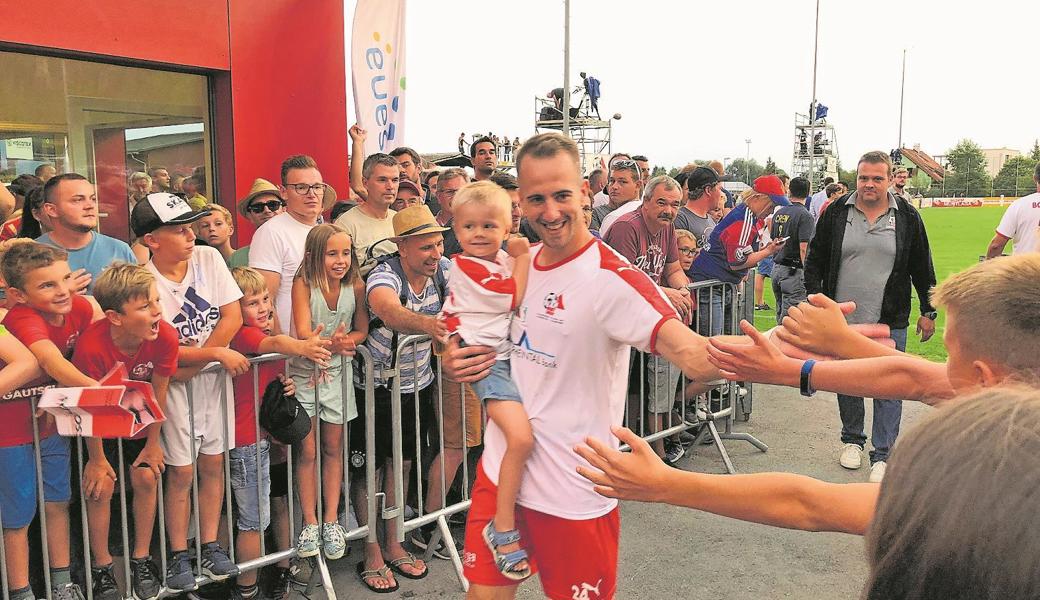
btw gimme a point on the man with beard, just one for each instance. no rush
(899, 177)
(646, 237)
(484, 156)
(160, 179)
(71, 203)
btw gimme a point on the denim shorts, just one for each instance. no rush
(254, 514)
(18, 479)
(498, 385)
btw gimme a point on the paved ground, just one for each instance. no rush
(670, 552)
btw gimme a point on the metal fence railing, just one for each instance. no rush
(443, 423)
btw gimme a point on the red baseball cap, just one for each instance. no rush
(771, 186)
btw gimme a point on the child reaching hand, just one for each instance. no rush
(327, 295)
(486, 284)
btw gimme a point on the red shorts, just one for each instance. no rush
(574, 559)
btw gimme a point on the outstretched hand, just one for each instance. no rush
(636, 475)
(818, 326)
(759, 361)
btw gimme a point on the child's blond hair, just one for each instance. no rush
(121, 283)
(250, 281)
(486, 193)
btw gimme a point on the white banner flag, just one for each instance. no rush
(377, 55)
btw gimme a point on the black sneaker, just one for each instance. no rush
(179, 576)
(144, 578)
(458, 519)
(278, 584)
(216, 564)
(673, 452)
(422, 537)
(216, 590)
(300, 570)
(66, 591)
(104, 581)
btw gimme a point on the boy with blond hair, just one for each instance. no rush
(216, 228)
(132, 333)
(199, 299)
(47, 318)
(254, 512)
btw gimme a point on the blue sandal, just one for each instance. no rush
(507, 563)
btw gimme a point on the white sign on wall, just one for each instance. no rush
(19, 148)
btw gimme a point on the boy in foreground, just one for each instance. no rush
(133, 333)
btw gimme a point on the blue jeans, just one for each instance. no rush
(887, 414)
(714, 311)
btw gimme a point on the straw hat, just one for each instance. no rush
(415, 220)
(260, 188)
(263, 186)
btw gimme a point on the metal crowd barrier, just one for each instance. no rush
(718, 310)
(732, 302)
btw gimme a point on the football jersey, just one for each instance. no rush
(730, 243)
(481, 299)
(570, 357)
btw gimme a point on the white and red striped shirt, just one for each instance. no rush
(481, 300)
(570, 359)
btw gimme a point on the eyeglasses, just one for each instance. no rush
(271, 205)
(688, 251)
(301, 188)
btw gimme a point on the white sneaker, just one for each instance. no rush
(851, 456)
(877, 471)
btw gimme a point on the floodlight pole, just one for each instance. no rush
(567, 68)
(902, 89)
(812, 105)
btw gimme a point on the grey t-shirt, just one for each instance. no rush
(868, 253)
(699, 226)
(598, 214)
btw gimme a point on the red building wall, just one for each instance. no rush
(277, 71)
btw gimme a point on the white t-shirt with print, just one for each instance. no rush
(277, 246)
(1021, 223)
(192, 306)
(481, 299)
(570, 357)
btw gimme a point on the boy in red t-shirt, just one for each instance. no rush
(47, 319)
(254, 513)
(134, 333)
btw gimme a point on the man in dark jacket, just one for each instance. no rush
(870, 247)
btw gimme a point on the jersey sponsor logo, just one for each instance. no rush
(196, 316)
(553, 302)
(142, 371)
(582, 590)
(524, 350)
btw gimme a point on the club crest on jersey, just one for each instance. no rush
(552, 303)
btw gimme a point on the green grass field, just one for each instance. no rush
(958, 236)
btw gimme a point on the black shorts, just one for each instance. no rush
(383, 427)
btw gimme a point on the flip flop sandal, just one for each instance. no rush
(506, 562)
(409, 559)
(381, 572)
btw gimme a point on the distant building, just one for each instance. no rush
(996, 157)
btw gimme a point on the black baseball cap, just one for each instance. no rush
(701, 177)
(161, 209)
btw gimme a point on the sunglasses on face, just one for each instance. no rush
(271, 205)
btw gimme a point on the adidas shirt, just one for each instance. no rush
(481, 299)
(570, 357)
(192, 306)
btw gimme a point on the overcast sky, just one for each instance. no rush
(693, 80)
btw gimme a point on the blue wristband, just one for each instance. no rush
(806, 388)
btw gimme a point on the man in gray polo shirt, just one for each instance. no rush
(870, 249)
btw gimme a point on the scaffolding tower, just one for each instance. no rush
(590, 132)
(815, 150)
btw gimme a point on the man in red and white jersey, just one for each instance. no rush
(583, 308)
